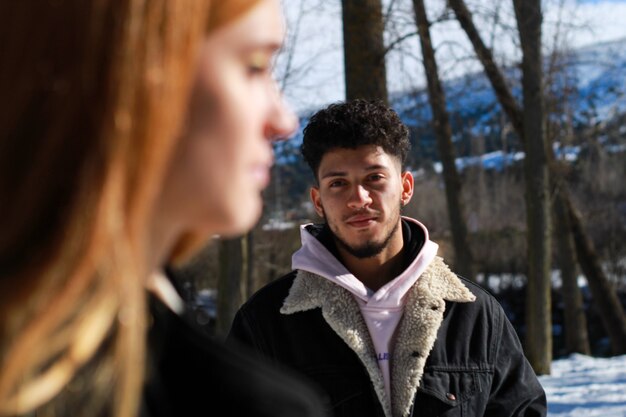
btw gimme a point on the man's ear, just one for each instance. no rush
(407, 187)
(317, 201)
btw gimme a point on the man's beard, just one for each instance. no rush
(370, 248)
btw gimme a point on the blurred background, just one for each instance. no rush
(517, 118)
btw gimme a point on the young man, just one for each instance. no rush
(370, 313)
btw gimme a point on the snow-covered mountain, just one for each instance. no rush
(587, 85)
(587, 88)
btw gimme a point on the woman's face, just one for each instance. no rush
(223, 160)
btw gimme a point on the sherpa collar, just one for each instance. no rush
(423, 315)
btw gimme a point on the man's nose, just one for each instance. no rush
(359, 198)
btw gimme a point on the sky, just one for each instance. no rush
(313, 57)
(582, 386)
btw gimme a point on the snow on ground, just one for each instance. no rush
(582, 386)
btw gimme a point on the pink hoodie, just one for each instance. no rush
(381, 310)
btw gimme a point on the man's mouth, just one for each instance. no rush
(361, 220)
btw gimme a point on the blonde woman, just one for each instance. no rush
(130, 131)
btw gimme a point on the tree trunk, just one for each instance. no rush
(364, 50)
(612, 313)
(575, 321)
(602, 290)
(443, 131)
(231, 282)
(539, 232)
(506, 99)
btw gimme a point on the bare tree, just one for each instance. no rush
(443, 131)
(232, 278)
(604, 294)
(575, 321)
(364, 50)
(576, 335)
(539, 227)
(299, 67)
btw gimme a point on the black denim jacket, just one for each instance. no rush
(476, 366)
(192, 374)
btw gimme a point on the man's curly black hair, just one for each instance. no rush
(352, 124)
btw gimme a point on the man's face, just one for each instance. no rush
(360, 194)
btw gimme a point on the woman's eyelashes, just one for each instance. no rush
(259, 63)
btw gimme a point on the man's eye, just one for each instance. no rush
(335, 184)
(376, 177)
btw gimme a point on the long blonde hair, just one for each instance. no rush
(93, 96)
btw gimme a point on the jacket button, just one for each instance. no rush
(451, 396)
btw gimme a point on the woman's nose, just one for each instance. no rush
(282, 121)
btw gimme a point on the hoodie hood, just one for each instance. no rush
(318, 255)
